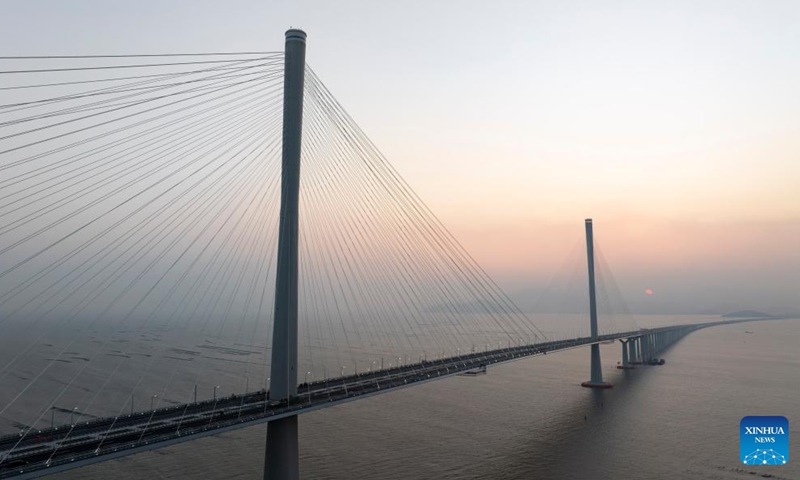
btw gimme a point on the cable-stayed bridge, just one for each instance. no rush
(177, 220)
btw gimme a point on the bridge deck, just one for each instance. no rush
(69, 446)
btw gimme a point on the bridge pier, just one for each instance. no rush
(640, 349)
(643, 349)
(626, 349)
(632, 352)
(654, 341)
(281, 458)
(596, 379)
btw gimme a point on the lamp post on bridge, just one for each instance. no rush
(344, 384)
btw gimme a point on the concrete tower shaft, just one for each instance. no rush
(282, 451)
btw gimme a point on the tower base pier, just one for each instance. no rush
(596, 379)
(282, 456)
(597, 385)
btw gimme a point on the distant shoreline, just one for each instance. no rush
(747, 314)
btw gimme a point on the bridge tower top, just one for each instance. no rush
(295, 34)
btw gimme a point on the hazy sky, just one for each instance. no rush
(676, 125)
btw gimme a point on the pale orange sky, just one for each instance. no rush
(677, 128)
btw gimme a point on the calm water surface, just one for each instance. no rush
(531, 420)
